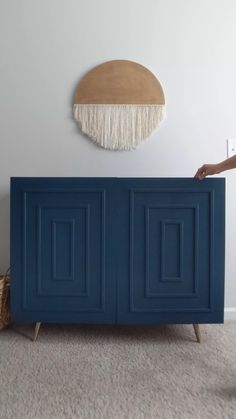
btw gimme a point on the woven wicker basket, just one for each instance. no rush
(4, 300)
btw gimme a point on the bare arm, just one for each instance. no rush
(213, 169)
(227, 164)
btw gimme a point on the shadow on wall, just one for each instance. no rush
(4, 232)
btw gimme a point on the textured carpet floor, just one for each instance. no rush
(107, 372)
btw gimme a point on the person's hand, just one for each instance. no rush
(207, 170)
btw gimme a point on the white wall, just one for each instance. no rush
(48, 45)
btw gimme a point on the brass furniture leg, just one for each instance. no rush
(36, 331)
(197, 332)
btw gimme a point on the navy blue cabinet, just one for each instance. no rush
(117, 250)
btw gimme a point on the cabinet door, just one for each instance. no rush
(175, 242)
(60, 257)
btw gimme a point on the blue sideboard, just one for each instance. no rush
(117, 250)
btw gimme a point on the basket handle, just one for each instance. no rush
(6, 276)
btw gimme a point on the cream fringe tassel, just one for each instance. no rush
(119, 127)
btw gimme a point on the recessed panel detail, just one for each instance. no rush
(171, 250)
(63, 254)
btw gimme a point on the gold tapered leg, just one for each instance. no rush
(197, 332)
(36, 331)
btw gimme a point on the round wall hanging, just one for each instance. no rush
(118, 104)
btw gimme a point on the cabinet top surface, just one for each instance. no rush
(217, 183)
(69, 178)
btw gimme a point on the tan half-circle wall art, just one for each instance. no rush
(118, 104)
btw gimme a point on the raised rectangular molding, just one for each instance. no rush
(102, 193)
(40, 292)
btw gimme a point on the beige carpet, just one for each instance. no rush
(107, 372)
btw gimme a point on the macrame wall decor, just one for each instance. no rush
(118, 104)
